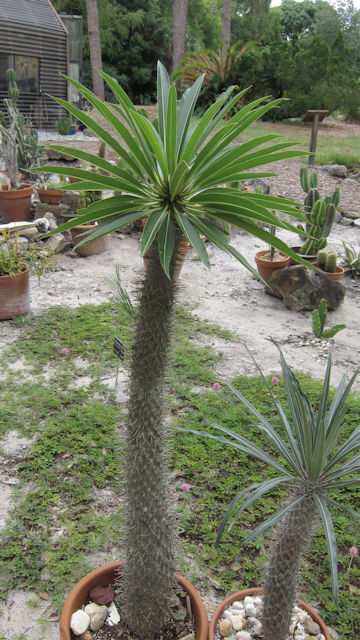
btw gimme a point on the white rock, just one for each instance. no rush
(257, 630)
(238, 622)
(250, 610)
(225, 628)
(248, 600)
(228, 613)
(243, 635)
(258, 600)
(98, 614)
(311, 627)
(113, 617)
(238, 605)
(79, 622)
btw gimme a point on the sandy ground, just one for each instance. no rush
(227, 295)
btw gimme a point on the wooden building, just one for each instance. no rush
(34, 42)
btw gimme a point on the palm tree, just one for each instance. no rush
(173, 173)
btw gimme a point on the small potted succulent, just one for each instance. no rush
(314, 462)
(174, 174)
(327, 262)
(15, 197)
(51, 191)
(270, 260)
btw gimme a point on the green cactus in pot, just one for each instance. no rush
(172, 173)
(320, 214)
(315, 462)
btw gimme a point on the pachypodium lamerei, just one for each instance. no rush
(320, 213)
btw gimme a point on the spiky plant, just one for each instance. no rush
(173, 173)
(315, 461)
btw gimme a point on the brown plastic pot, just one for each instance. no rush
(15, 205)
(50, 196)
(332, 276)
(14, 295)
(106, 575)
(266, 267)
(93, 247)
(240, 595)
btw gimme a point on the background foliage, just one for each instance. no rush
(305, 51)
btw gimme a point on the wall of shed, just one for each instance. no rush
(52, 51)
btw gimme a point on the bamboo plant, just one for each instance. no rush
(172, 172)
(314, 460)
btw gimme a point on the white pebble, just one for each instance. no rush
(113, 617)
(248, 600)
(79, 622)
(250, 610)
(238, 605)
(243, 635)
(238, 622)
(98, 614)
(225, 628)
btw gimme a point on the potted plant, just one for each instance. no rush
(172, 173)
(80, 232)
(314, 463)
(15, 267)
(51, 191)
(15, 198)
(351, 258)
(320, 216)
(270, 260)
(327, 262)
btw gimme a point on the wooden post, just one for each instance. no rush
(314, 116)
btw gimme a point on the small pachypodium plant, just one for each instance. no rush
(320, 213)
(313, 461)
(318, 322)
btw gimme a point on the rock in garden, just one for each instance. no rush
(98, 614)
(102, 595)
(225, 628)
(250, 610)
(243, 635)
(311, 626)
(57, 242)
(301, 289)
(337, 170)
(238, 622)
(113, 617)
(79, 622)
(86, 636)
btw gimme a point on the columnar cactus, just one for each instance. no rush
(320, 213)
(327, 261)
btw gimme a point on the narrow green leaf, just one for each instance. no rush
(186, 108)
(330, 333)
(151, 228)
(331, 544)
(166, 244)
(178, 179)
(171, 130)
(194, 238)
(154, 142)
(163, 87)
(270, 522)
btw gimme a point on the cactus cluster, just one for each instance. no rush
(327, 260)
(320, 213)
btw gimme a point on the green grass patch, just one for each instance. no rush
(76, 454)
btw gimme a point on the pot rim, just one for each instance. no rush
(254, 591)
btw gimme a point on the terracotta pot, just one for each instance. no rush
(15, 205)
(332, 276)
(266, 267)
(240, 595)
(93, 247)
(308, 257)
(14, 295)
(50, 196)
(106, 575)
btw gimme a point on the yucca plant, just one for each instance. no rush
(173, 173)
(313, 459)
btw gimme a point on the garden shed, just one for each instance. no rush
(34, 42)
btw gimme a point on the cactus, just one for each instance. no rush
(320, 214)
(327, 261)
(318, 322)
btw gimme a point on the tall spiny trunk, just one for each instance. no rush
(95, 47)
(149, 565)
(282, 575)
(226, 26)
(180, 9)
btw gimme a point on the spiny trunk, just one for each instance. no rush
(150, 546)
(180, 10)
(283, 572)
(226, 26)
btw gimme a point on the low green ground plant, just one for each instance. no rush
(60, 524)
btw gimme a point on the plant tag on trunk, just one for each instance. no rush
(119, 348)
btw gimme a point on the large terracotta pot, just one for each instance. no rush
(240, 595)
(106, 575)
(93, 247)
(266, 267)
(14, 295)
(332, 276)
(50, 196)
(15, 205)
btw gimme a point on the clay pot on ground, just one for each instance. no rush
(15, 205)
(240, 595)
(336, 275)
(93, 247)
(50, 196)
(105, 576)
(266, 266)
(14, 295)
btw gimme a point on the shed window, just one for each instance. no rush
(4, 65)
(27, 73)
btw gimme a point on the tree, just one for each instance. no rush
(180, 10)
(226, 25)
(95, 48)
